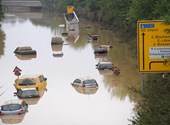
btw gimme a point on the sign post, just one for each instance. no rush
(153, 46)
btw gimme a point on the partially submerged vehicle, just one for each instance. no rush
(12, 119)
(25, 93)
(30, 95)
(57, 50)
(25, 57)
(105, 65)
(13, 107)
(108, 66)
(101, 51)
(93, 37)
(85, 85)
(108, 47)
(26, 50)
(37, 81)
(57, 40)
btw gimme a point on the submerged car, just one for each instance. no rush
(105, 65)
(13, 107)
(85, 83)
(26, 50)
(30, 95)
(12, 119)
(100, 51)
(36, 81)
(86, 91)
(25, 93)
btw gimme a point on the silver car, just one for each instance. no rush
(14, 107)
(86, 83)
(105, 65)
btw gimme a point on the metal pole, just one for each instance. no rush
(142, 83)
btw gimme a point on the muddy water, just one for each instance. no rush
(61, 103)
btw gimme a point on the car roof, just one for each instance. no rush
(24, 89)
(86, 78)
(24, 47)
(13, 102)
(105, 63)
(30, 76)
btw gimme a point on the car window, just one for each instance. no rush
(19, 92)
(24, 103)
(41, 78)
(27, 82)
(29, 93)
(90, 81)
(77, 81)
(105, 66)
(11, 107)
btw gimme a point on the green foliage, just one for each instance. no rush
(153, 109)
(1, 11)
(149, 9)
(2, 44)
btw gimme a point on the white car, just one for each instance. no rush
(13, 107)
(105, 65)
(85, 83)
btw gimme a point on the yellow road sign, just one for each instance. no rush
(153, 46)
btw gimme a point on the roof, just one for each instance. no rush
(105, 62)
(13, 102)
(24, 89)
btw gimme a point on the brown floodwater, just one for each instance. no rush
(62, 104)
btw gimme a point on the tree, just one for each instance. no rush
(1, 11)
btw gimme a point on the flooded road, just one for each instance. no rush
(61, 103)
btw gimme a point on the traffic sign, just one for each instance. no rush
(153, 46)
(17, 71)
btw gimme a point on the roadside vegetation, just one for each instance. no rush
(119, 16)
(152, 108)
(2, 35)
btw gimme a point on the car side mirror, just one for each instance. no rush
(15, 93)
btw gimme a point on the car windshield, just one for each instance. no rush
(11, 107)
(104, 66)
(28, 93)
(77, 81)
(27, 82)
(90, 81)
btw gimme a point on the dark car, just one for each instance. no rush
(101, 51)
(27, 93)
(26, 50)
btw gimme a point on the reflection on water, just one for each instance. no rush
(2, 44)
(12, 119)
(109, 105)
(25, 57)
(86, 91)
(34, 101)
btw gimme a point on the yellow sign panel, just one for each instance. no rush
(153, 46)
(70, 9)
